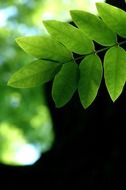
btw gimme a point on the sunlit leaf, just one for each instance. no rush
(90, 79)
(65, 84)
(114, 17)
(93, 27)
(115, 71)
(44, 47)
(34, 74)
(73, 38)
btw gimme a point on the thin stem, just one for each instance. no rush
(93, 52)
(99, 51)
(123, 42)
(96, 52)
(80, 57)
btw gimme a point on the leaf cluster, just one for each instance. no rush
(55, 59)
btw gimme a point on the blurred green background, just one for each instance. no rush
(26, 128)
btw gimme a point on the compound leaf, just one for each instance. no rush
(73, 38)
(44, 47)
(94, 27)
(65, 83)
(90, 78)
(34, 74)
(115, 71)
(114, 17)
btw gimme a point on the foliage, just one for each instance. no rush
(86, 75)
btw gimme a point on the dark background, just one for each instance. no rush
(89, 151)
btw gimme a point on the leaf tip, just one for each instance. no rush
(72, 12)
(8, 83)
(114, 98)
(18, 39)
(100, 4)
(86, 106)
(58, 106)
(45, 22)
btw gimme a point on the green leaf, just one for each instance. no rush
(114, 17)
(115, 71)
(65, 83)
(93, 27)
(44, 47)
(73, 38)
(34, 74)
(90, 79)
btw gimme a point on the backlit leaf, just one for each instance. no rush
(73, 38)
(114, 17)
(65, 83)
(44, 47)
(94, 27)
(34, 74)
(115, 71)
(90, 79)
